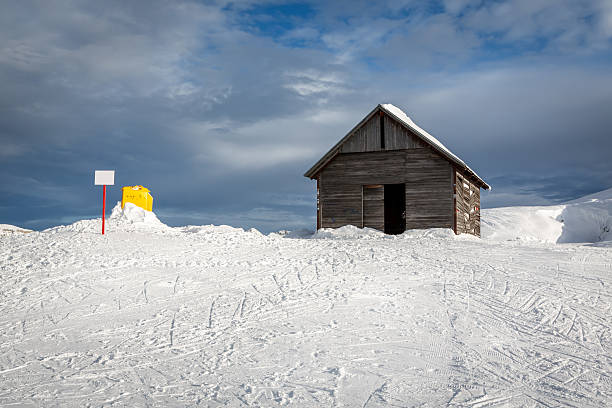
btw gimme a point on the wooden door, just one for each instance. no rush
(374, 206)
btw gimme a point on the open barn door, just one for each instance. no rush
(395, 208)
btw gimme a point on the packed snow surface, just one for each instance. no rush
(149, 315)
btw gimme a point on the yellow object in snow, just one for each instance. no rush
(137, 195)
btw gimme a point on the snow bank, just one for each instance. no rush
(129, 218)
(222, 232)
(132, 214)
(296, 234)
(347, 232)
(435, 233)
(12, 229)
(350, 232)
(585, 220)
(527, 224)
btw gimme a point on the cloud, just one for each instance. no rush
(556, 26)
(220, 107)
(524, 113)
(310, 82)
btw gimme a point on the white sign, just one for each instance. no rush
(104, 178)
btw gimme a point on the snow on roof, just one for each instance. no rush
(407, 121)
(401, 116)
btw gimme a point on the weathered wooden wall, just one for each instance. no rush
(429, 195)
(467, 199)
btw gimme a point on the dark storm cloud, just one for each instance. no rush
(219, 108)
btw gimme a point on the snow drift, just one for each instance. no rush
(585, 220)
(129, 218)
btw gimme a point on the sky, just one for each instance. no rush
(220, 107)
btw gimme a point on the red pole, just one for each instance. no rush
(103, 206)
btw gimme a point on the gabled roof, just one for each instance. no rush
(399, 115)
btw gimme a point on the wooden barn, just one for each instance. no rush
(389, 174)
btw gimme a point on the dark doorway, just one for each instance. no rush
(395, 208)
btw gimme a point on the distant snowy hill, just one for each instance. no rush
(12, 229)
(587, 219)
(599, 196)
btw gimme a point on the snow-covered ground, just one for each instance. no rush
(150, 315)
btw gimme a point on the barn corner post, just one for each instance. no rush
(103, 206)
(454, 191)
(318, 206)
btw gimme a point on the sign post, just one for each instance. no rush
(104, 178)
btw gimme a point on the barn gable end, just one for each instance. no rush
(369, 138)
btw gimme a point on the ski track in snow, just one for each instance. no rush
(232, 318)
